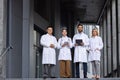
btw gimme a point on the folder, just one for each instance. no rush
(78, 41)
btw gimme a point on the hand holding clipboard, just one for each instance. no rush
(79, 42)
(65, 44)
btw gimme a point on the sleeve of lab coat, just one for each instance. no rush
(70, 43)
(73, 44)
(86, 43)
(59, 44)
(100, 43)
(55, 42)
(43, 41)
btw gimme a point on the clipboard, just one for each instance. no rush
(78, 41)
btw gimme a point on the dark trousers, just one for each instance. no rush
(48, 70)
(78, 70)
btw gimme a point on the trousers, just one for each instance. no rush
(65, 69)
(96, 67)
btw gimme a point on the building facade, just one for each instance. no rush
(22, 22)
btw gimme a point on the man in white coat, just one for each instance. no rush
(49, 43)
(80, 42)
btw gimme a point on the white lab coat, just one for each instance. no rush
(80, 53)
(94, 43)
(65, 52)
(49, 54)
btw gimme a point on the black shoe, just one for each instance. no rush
(85, 77)
(45, 76)
(52, 77)
(77, 76)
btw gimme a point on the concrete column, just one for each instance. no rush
(57, 30)
(102, 59)
(3, 22)
(28, 57)
(57, 19)
(14, 57)
(118, 37)
(109, 39)
(114, 35)
(21, 59)
(104, 39)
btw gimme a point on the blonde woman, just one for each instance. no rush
(95, 45)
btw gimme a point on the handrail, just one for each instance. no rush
(6, 50)
(37, 46)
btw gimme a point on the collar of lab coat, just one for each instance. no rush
(64, 36)
(49, 34)
(80, 33)
(94, 36)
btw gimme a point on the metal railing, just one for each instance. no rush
(6, 50)
(38, 61)
(3, 62)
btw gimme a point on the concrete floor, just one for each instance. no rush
(59, 79)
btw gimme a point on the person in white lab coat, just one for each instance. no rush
(95, 45)
(64, 44)
(80, 42)
(49, 43)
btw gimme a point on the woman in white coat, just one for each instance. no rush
(95, 45)
(49, 43)
(64, 44)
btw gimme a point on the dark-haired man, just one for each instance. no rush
(49, 43)
(80, 42)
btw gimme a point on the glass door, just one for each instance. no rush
(38, 50)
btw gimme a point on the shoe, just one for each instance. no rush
(52, 77)
(97, 77)
(45, 76)
(68, 77)
(85, 76)
(93, 76)
(77, 76)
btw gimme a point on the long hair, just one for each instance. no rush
(96, 30)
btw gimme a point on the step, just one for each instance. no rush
(59, 79)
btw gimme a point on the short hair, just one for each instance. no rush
(49, 27)
(79, 25)
(64, 28)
